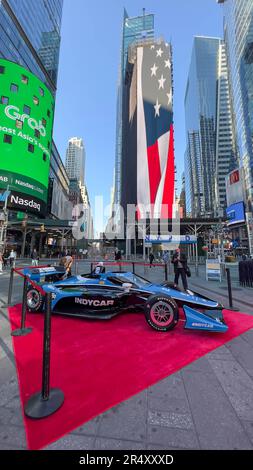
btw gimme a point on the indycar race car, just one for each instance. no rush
(103, 295)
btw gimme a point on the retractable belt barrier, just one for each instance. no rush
(47, 401)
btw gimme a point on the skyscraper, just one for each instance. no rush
(27, 27)
(210, 146)
(238, 31)
(134, 29)
(75, 160)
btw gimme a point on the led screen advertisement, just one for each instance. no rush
(26, 124)
(236, 213)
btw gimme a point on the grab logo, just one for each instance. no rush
(13, 113)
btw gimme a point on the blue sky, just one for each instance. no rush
(88, 73)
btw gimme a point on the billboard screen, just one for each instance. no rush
(235, 187)
(236, 213)
(155, 141)
(26, 124)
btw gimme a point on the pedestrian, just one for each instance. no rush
(67, 262)
(180, 268)
(117, 255)
(12, 257)
(1, 263)
(151, 258)
(35, 257)
(5, 259)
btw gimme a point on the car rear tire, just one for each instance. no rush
(34, 300)
(161, 312)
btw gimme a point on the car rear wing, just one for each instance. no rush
(39, 274)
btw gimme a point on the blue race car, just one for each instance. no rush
(103, 295)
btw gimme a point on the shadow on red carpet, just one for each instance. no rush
(98, 364)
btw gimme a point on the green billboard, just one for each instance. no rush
(26, 125)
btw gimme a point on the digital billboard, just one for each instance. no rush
(26, 125)
(235, 185)
(236, 213)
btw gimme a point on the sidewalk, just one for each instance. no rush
(206, 405)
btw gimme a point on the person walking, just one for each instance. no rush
(12, 258)
(151, 258)
(1, 263)
(179, 261)
(35, 257)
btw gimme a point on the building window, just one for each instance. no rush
(4, 100)
(19, 124)
(44, 122)
(24, 79)
(48, 145)
(37, 133)
(7, 139)
(31, 148)
(27, 110)
(36, 100)
(48, 113)
(44, 157)
(2, 69)
(14, 88)
(41, 91)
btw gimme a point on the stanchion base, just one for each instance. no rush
(22, 332)
(38, 408)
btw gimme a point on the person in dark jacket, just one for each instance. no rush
(151, 258)
(179, 261)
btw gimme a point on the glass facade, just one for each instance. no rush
(200, 116)
(134, 29)
(30, 36)
(238, 29)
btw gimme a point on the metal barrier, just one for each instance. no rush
(47, 401)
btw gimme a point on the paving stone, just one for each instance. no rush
(13, 436)
(216, 422)
(117, 444)
(89, 428)
(248, 336)
(172, 386)
(72, 442)
(248, 426)
(10, 416)
(238, 386)
(242, 351)
(8, 370)
(170, 420)
(168, 437)
(222, 353)
(201, 365)
(169, 403)
(8, 391)
(127, 420)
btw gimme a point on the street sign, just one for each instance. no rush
(213, 270)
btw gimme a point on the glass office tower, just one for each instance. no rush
(238, 30)
(30, 36)
(200, 114)
(134, 29)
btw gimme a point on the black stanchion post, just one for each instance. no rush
(23, 331)
(10, 287)
(133, 268)
(91, 267)
(47, 401)
(230, 290)
(166, 271)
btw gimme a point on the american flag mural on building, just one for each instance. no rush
(155, 140)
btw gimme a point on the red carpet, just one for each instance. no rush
(100, 364)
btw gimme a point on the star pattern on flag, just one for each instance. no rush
(163, 87)
(154, 70)
(157, 108)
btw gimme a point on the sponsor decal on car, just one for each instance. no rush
(94, 302)
(205, 325)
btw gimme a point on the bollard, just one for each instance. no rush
(166, 271)
(23, 331)
(91, 267)
(133, 268)
(231, 307)
(46, 402)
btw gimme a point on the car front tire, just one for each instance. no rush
(34, 300)
(161, 312)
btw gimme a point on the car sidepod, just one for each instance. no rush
(211, 320)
